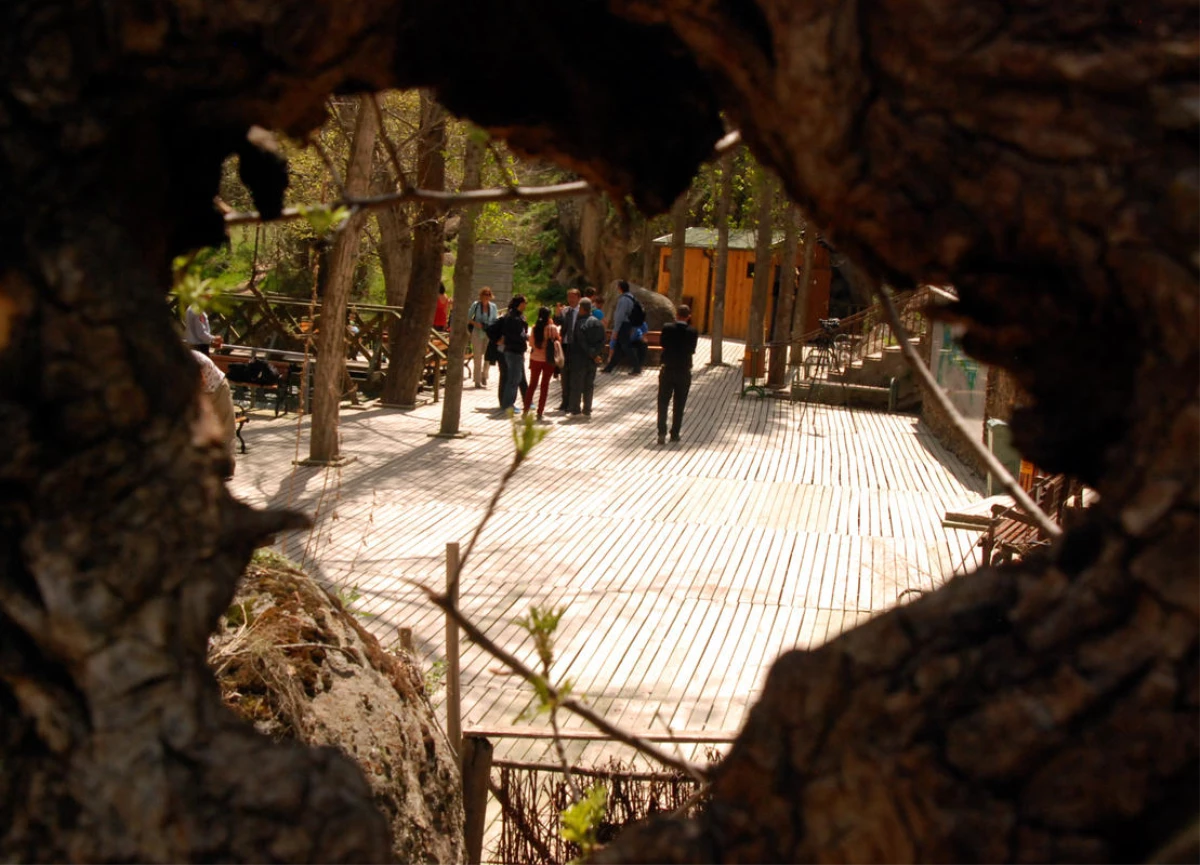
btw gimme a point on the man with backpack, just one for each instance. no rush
(627, 316)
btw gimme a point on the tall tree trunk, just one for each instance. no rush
(761, 289)
(649, 256)
(410, 338)
(679, 224)
(781, 335)
(464, 273)
(800, 323)
(324, 444)
(395, 251)
(722, 263)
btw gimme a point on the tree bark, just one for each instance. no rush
(1040, 157)
(722, 263)
(679, 224)
(325, 444)
(781, 335)
(760, 290)
(464, 273)
(395, 251)
(800, 323)
(411, 335)
(649, 256)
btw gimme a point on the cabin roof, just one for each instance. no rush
(706, 238)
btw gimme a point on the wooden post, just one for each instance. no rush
(406, 641)
(453, 680)
(476, 770)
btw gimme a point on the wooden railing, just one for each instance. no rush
(282, 323)
(867, 332)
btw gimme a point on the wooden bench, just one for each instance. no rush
(283, 369)
(240, 418)
(653, 340)
(1012, 534)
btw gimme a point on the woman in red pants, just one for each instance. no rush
(542, 366)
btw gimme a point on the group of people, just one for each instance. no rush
(570, 343)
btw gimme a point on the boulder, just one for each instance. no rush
(658, 307)
(291, 660)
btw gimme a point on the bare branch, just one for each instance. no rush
(930, 384)
(574, 189)
(315, 141)
(572, 705)
(392, 153)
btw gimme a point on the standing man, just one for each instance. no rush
(514, 335)
(481, 314)
(675, 376)
(622, 329)
(587, 349)
(215, 389)
(198, 335)
(570, 317)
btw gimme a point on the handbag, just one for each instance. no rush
(491, 354)
(559, 360)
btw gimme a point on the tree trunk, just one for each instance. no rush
(761, 289)
(395, 251)
(649, 256)
(800, 323)
(781, 335)
(679, 224)
(722, 263)
(324, 445)
(1040, 157)
(410, 337)
(464, 273)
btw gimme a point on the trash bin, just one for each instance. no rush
(754, 363)
(999, 438)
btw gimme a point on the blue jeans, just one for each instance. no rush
(514, 371)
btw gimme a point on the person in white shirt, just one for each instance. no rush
(215, 389)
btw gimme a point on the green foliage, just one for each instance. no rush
(435, 677)
(190, 287)
(322, 219)
(581, 820)
(527, 434)
(541, 624)
(268, 558)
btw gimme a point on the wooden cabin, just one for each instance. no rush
(698, 271)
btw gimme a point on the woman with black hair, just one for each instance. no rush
(541, 359)
(514, 331)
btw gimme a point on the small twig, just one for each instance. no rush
(315, 141)
(727, 142)
(571, 705)
(510, 178)
(392, 153)
(522, 825)
(931, 386)
(576, 792)
(574, 189)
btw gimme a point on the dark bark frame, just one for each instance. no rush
(1041, 157)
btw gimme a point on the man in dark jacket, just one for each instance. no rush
(675, 376)
(514, 339)
(587, 349)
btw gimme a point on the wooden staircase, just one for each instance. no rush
(868, 367)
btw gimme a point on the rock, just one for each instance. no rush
(292, 661)
(658, 307)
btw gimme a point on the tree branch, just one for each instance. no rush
(994, 466)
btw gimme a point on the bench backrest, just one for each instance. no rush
(224, 361)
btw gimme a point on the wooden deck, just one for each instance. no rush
(685, 569)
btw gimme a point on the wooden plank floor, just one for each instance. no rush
(684, 569)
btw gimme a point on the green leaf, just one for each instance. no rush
(322, 219)
(581, 820)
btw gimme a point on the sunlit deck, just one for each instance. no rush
(685, 569)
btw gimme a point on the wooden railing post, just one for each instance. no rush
(453, 674)
(476, 770)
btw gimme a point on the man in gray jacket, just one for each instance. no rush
(587, 349)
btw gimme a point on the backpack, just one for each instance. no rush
(637, 315)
